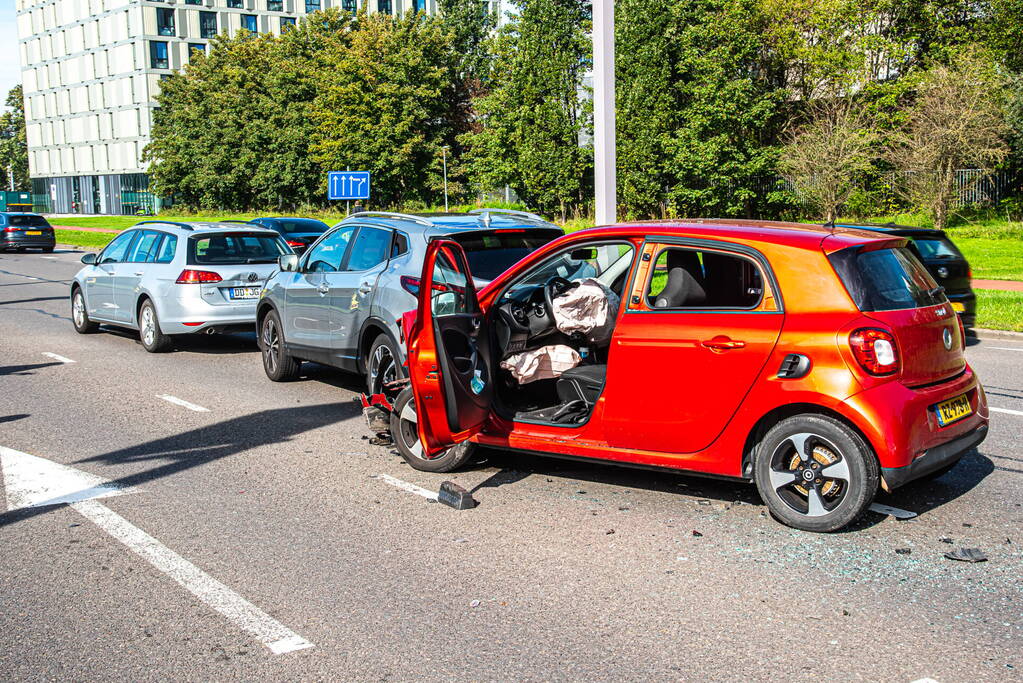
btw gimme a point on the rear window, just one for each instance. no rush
(936, 248)
(490, 254)
(28, 221)
(306, 226)
(235, 247)
(886, 279)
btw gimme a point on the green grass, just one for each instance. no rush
(78, 238)
(999, 310)
(993, 259)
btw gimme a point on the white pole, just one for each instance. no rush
(445, 152)
(605, 181)
(10, 178)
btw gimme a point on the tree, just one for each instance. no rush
(958, 121)
(532, 121)
(824, 157)
(13, 143)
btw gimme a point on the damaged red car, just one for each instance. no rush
(820, 363)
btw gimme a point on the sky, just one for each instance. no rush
(10, 64)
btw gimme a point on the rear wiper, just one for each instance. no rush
(260, 260)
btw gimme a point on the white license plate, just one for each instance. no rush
(245, 292)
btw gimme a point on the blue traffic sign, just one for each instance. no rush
(348, 185)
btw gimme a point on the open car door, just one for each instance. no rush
(448, 352)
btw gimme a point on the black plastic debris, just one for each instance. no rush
(904, 551)
(609, 532)
(453, 495)
(697, 534)
(945, 539)
(381, 440)
(967, 555)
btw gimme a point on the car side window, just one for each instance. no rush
(400, 244)
(117, 250)
(168, 247)
(688, 278)
(328, 254)
(370, 248)
(145, 247)
(449, 285)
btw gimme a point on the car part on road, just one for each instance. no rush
(278, 365)
(153, 339)
(967, 555)
(453, 495)
(404, 432)
(79, 317)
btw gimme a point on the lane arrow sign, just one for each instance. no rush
(31, 481)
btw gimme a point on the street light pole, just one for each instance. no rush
(444, 151)
(605, 180)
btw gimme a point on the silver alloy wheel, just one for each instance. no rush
(271, 344)
(78, 309)
(382, 369)
(408, 429)
(809, 474)
(148, 325)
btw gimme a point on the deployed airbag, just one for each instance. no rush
(546, 362)
(589, 309)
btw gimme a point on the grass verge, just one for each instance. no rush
(78, 238)
(998, 310)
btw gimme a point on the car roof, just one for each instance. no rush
(896, 229)
(205, 226)
(431, 224)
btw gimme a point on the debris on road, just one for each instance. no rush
(897, 513)
(967, 555)
(945, 539)
(697, 534)
(474, 603)
(453, 495)
(904, 551)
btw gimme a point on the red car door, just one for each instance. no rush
(679, 367)
(448, 354)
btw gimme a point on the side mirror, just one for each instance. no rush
(288, 263)
(89, 259)
(585, 254)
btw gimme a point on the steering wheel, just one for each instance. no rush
(554, 288)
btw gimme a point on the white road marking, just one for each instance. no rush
(31, 481)
(1005, 410)
(183, 403)
(59, 359)
(51, 258)
(1005, 348)
(897, 513)
(406, 486)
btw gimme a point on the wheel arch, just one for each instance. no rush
(143, 297)
(371, 329)
(773, 417)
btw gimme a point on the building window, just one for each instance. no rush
(287, 23)
(158, 55)
(165, 21)
(312, 6)
(234, 4)
(249, 23)
(207, 24)
(349, 6)
(384, 6)
(419, 5)
(275, 5)
(193, 2)
(196, 47)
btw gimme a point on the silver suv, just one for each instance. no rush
(341, 303)
(165, 278)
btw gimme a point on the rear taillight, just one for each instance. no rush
(875, 351)
(196, 277)
(411, 285)
(293, 244)
(11, 229)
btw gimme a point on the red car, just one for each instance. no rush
(818, 362)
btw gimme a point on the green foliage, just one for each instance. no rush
(531, 122)
(13, 144)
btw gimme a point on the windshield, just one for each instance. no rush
(936, 248)
(604, 262)
(236, 247)
(302, 225)
(490, 254)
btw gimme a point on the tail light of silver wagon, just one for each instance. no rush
(197, 277)
(875, 350)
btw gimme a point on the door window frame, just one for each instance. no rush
(131, 243)
(307, 254)
(771, 301)
(355, 238)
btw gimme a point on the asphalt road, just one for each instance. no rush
(564, 571)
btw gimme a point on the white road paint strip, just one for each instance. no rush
(1005, 410)
(897, 513)
(1005, 348)
(49, 258)
(59, 359)
(406, 486)
(31, 481)
(242, 613)
(183, 403)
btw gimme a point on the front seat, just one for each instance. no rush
(682, 289)
(581, 383)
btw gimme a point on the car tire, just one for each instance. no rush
(48, 250)
(277, 364)
(152, 337)
(406, 439)
(80, 315)
(792, 465)
(383, 365)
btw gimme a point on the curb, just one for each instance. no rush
(981, 333)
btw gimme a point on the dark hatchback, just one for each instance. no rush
(942, 258)
(299, 233)
(26, 231)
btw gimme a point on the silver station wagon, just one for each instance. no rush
(167, 278)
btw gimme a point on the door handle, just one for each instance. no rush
(719, 344)
(323, 289)
(365, 288)
(139, 273)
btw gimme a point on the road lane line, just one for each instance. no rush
(406, 486)
(183, 403)
(242, 613)
(59, 359)
(1005, 348)
(1005, 410)
(49, 258)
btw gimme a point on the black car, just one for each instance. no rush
(25, 231)
(943, 259)
(298, 232)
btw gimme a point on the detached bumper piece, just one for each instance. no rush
(377, 411)
(934, 459)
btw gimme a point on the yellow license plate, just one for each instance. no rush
(958, 307)
(953, 409)
(33, 232)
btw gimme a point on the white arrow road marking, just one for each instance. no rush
(183, 403)
(406, 486)
(1005, 410)
(59, 359)
(31, 481)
